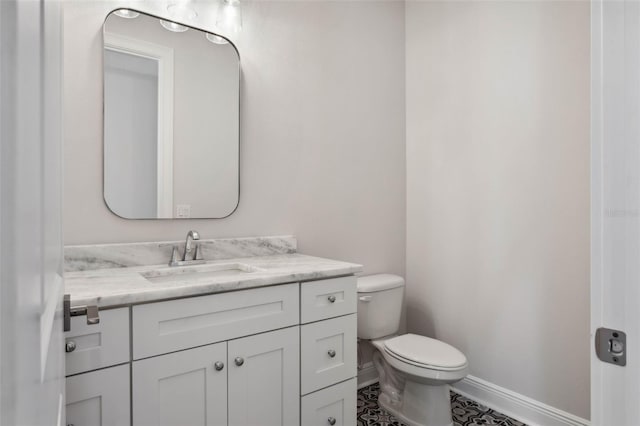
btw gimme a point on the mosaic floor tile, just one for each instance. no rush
(465, 411)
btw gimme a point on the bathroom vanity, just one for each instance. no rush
(255, 340)
(242, 332)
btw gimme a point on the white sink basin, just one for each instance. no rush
(199, 272)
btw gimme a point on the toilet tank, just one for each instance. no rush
(379, 305)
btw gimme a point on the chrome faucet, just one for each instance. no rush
(188, 248)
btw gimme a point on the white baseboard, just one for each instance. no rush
(367, 375)
(513, 404)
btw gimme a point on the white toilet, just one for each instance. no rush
(414, 370)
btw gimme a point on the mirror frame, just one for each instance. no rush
(104, 168)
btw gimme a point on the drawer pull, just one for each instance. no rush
(239, 361)
(218, 365)
(70, 346)
(331, 353)
(331, 420)
(331, 298)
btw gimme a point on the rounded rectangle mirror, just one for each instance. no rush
(171, 119)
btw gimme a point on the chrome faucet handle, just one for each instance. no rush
(198, 253)
(174, 256)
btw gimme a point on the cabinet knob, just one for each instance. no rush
(239, 361)
(332, 354)
(218, 365)
(331, 420)
(70, 346)
(331, 298)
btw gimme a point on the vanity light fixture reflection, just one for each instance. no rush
(216, 39)
(126, 13)
(172, 26)
(181, 12)
(229, 19)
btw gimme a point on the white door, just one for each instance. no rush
(615, 197)
(264, 374)
(99, 398)
(185, 388)
(31, 287)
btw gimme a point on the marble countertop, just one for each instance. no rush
(123, 286)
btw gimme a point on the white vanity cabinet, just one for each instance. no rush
(281, 355)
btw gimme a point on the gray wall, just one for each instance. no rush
(322, 130)
(498, 190)
(497, 153)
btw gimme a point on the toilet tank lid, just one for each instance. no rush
(379, 282)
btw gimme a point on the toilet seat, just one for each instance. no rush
(425, 352)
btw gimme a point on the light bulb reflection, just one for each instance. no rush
(172, 26)
(213, 38)
(126, 13)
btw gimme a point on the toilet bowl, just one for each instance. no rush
(414, 371)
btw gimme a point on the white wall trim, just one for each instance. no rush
(513, 404)
(367, 375)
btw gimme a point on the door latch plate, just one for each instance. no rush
(611, 346)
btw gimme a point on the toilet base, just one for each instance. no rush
(422, 405)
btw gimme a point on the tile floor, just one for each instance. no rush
(466, 412)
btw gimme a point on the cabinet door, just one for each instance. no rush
(264, 379)
(184, 388)
(99, 398)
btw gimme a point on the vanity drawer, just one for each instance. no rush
(331, 406)
(328, 298)
(97, 345)
(328, 352)
(163, 327)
